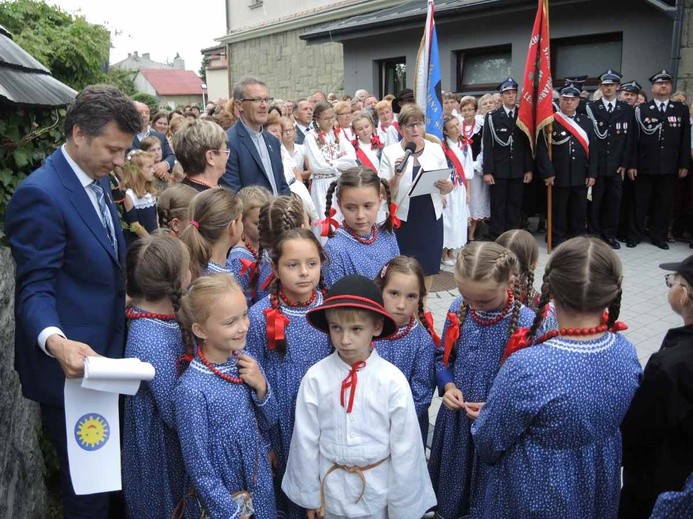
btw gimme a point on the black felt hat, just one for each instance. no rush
(685, 268)
(405, 96)
(353, 292)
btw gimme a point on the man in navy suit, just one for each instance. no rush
(168, 158)
(254, 154)
(65, 238)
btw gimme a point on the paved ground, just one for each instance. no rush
(644, 306)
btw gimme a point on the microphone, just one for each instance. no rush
(411, 148)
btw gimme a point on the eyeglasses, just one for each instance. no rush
(226, 151)
(289, 131)
(411, 126)
(259, 100)
(327, 118)
(343, 113)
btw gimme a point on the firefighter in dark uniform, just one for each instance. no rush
(572, 168)
(628, 93)
(612, 121)
(507, 161)
(661, 153)
(579, 83)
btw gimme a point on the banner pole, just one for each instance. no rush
(548, 131)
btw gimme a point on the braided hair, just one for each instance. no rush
(408, 266)
(276, 254)
(173, 203)
(526, 250)
(359, 177)
(583, 275)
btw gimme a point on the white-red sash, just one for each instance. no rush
(457, 166)
(575, 130)
(364, 160)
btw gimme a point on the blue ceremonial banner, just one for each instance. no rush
(428, 89)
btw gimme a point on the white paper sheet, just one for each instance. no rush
(423, 183)
(92, 420)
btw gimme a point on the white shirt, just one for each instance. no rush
(661, 105)
(381, 426)
(608, 104)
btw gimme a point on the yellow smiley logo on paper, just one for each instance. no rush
(92, 431)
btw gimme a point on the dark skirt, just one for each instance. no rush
(421, 236)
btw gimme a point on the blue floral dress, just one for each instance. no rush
(456, 474)
(220, 426)
(305, 346)
(154, 479)
(414, 355)
(549, 431)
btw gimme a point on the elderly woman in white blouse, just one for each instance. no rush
(421, 232)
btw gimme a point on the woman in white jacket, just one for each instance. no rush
(421, 232)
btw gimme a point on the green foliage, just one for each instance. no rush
(203, 69)
(75, 51)
(151, 101)
(27, 137)
(121, 79)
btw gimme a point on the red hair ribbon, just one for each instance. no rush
(268, 281)
(248, 267)
(194, 224)
(187, 357)
(375, 142)
(518, 340)
(451, 336)
(428, 317)
(327, 223)
(618, 326)
(276, 327)
(396, 222)
(349, 384)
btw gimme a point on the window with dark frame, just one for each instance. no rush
(393, 75)
(481, 70)
(585, 56)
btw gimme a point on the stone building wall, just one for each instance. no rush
(685, 79)
(22, 490)
(290, 67)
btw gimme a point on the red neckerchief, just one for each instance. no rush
(375, 142)
(456, 164)
(349, 384)
(451, 336)
(467, 139)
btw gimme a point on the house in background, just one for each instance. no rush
(135, 62)
(216, 72)
(172, 87)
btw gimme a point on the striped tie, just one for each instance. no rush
(105, 214)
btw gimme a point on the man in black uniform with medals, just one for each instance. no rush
(572, 168)
(508, 161)
(661, 152)
(612, 121)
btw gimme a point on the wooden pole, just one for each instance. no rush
(549, 193)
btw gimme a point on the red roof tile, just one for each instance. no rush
(173, 82)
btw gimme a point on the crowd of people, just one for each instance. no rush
(274, 270)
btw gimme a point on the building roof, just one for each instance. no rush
(23, 80)
(173, 82)
(399, 15)
(136, 62)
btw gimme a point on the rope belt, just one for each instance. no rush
(324, 175)
(351, 470)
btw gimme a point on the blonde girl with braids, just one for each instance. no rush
(224, 404)
(158, 271)
(214, 227)
(477, 329)
(276, 216)
(172, 207)
(283, 341)
(140, 195)
(550, 426)
(526, 250)
(412, 348)
(359, 246)
(242, 259)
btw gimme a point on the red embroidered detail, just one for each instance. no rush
(428, 317)
(361, 239)
(275, 327)
(322, 138)
(349, 384)
(131, 313)
(451, 336)
(404, 332)
(211, 367)
(289, 302)
(490, 322)
(328, 223)
(396, 222)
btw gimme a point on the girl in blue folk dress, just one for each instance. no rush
(412, 348)
(549, 432)
(214, 227)
(359, 246)
(158, 270)
(224, 404)
(283, 341)
(477, 329)
(242, 259)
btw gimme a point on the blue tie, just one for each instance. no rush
(105, 213)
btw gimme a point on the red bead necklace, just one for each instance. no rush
(211, 367)
(404, 332)
(290, 302)
(361, 239)
(490, 322)
(250, 248)
(201, 182)
(131, 313)
(594, 330)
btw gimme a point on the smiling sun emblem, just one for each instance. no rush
(92, 431)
